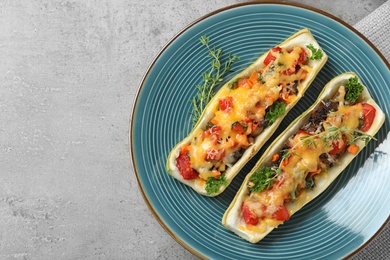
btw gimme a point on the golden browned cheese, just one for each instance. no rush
(248, 99)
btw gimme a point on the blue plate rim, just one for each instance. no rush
(172, 40)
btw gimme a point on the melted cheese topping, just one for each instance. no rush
(245, 104)
(304, 158)
(345, 115)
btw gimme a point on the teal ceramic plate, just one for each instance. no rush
(336, 224)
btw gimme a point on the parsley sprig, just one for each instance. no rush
(353, 89)
(213, 184)
(316, 54)
(211, 78)
(263, 178)
(275, 111)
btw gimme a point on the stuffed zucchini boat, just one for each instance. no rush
(306, 158)
(244, 113)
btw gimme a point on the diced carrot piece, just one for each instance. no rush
(253, 78)
(216, 174)
(275, 157)
(353, 149)
(285, 161)
(186, 148)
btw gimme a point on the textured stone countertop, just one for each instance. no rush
(69, 75)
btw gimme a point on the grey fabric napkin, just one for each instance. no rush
(376, 28)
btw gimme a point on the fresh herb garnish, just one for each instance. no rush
(263, 178)
(328, 136)
(287, 153)
(239, 126)
(316, 54)
(213, 184)
(333, 133)
(211, 79)
(353, 89)
(276, 110)
(360, 135)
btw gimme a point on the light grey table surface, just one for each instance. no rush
(69, 73)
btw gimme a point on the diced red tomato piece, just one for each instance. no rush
(338, 147)
(214, 131)
(289, 71)
(277, 49)
(270, 57)
(184, 165)
(239, 128)
(281, 214)
(215, 154)
(250, 217)
(368, 116)
(226, 104)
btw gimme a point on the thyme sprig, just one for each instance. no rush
(360, 135)
(211, 78)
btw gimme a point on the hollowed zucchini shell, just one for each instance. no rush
(301, 38)
(232, 219)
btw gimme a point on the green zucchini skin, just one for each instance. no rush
(232, 218)
(302, 38)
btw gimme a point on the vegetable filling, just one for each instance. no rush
(333, 129)
(242, 112)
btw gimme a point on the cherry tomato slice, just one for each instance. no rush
(249, 216)
(368, 116)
